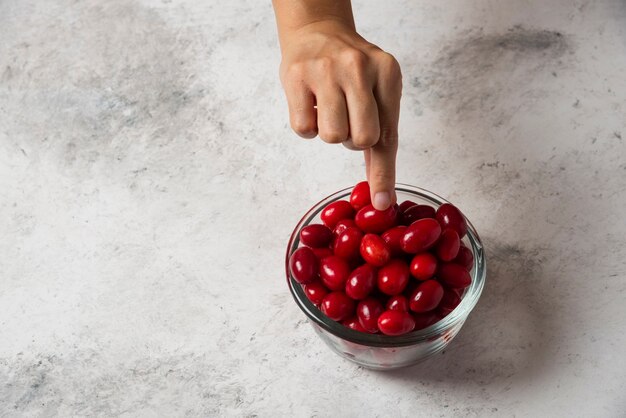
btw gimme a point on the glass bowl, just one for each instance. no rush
(381, 352)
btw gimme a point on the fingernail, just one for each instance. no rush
(382, 200)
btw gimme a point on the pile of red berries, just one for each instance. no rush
(391, 271)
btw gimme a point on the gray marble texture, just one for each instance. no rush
(149, 182)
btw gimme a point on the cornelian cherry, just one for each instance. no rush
(395, 322)
(368, 311)
(421, 235)
(347, 244)
(451, 217)
(336, 211)
(361, 282)
(454, 275)
(417, 212)
(393, 277)
(393, 238)
(337, 306)
(303, 265)
(398, 303)
(376, 221)
(426, 297)
(374, 250)
(360, 195)
(334, 272)
(423, 266)
(448, 245)
(316, 235)
(315, 291)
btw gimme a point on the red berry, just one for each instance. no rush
(417, 212)
(316, 236)
(347, 243)
(421, 235)
(451, 217)
(361, 282)
(376, 221)
(426, 297)
(423, 266)
(454, 275)
(334, 272)
(353, 323)
(337, 306)
(465, 258)
(303, 265)
(393, 277)
(405, 205)
(368, 311)
(374, 250)
(336, 211)
(342, 225)
(448, 246)
(315, 291)
(395, 323)
(360, 195)
(321, 252)
(398, 303)
(424, 320)
(450, 300)
(393, 238)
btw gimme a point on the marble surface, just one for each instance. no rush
(149, 182)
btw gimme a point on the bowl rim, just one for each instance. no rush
(458, 315)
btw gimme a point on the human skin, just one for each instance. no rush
(341, 87)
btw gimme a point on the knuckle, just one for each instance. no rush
(333, 136)
(388, 137)
(355, 58)
(364, 140)
(294, 72)
(390, 67)
(325, 63)
(303, 128)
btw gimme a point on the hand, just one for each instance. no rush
(356, 88)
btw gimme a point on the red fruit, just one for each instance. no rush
(321, 252)
(353, 323)
(316, 236)
(303, 265)
(424, 320)
(423, 266)
(368, 311)
(417, 212)
(426, 297)
(450, 300)
(421, 235)
(465, 258)
(451, 217)
(398, 303)
(405, 205)
(374, 250)
(360, 195)
(361, 282)
(336, 211)
(393, 277)
(347, 243)
(334, 272)
(315, 291)
(376, 221)
(395, 323)
(393, 238)
(342, 225)
(454, 275)
(448, 246)
(337, 306)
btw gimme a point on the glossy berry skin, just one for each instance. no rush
(424, 320)
(450, 217)
(374, 250)
(405, 205)
(360, 195)
(454, 275)
(376, 221)
(303, 265)
(426, 297)
(336, 211)
(393, 238)
(342, 225)
(417, 212)
(368, 311)
(450, 300)
(398, 303)
(337, 306)
(447, 247)
(348, 243)
(316, 236)
(465, 258)
(423, 266)
(353, 323)
(361, 282)
(393, 277)
(321, 252)
(421, 235)
(395, 322)
(315, 291)
(334, 272)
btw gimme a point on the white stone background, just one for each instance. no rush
(149, 182)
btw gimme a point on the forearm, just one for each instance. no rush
(292, 15)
